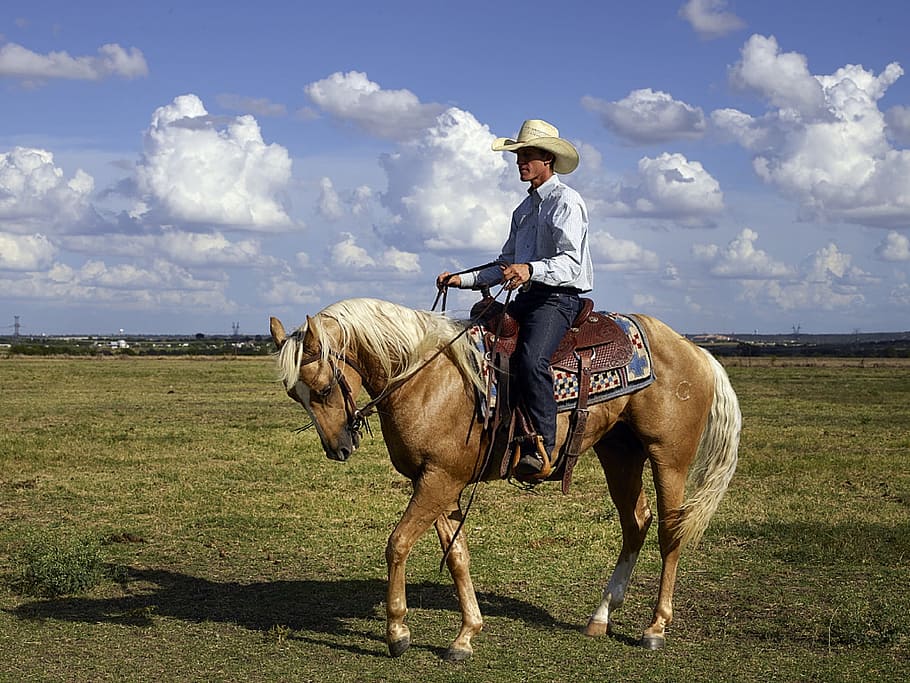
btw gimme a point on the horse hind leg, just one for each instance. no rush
(458, 560)
(622, 457)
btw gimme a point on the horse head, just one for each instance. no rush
(321, 380)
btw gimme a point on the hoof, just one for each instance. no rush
(652, 642)
(453, 655)
(596, 629)
(399, 647)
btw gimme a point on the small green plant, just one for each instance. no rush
(54, 564)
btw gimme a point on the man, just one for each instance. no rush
(545, 257)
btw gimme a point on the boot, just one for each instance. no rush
(534, 463)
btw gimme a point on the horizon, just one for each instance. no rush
(746, 166)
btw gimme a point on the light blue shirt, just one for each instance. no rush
(550, 232)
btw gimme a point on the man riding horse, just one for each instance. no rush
(546, 258)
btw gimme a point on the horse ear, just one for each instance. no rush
(312, 327)
(279, 336)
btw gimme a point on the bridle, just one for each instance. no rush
(357, 421)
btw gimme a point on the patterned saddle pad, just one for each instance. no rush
(608, 380)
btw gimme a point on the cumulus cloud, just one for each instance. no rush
(123, 286)
(667, 187)
(34, 192)
(329, 203)
(195, 172)
(17, 61)
(898, 120)
(25, 252)
(648, 116)
(710, 18)
(348, 254)
(204, 249)
(900, 296)
(895, 247)
(447, 190)
(783, 78)
(353, 97)
(740, 259)
(826, 281)
(615, 254)
(824, 141)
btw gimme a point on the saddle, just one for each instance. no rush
(591, 334)
(594, 342)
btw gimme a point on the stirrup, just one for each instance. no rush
(545, 471)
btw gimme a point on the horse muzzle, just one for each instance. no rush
(348, 442)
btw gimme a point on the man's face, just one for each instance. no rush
(533, 166)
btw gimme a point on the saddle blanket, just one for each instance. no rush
(607, 384)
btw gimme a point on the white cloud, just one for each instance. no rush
(895, 247)
(353, 97)
(647, 116)
(667, 187)
(283, 291)
(615, 254)
(329, 204)
(193, 172)
(448, 191)
(348, 254)
(112, 60)
(898, 120)
(826, 281)
(824, 142)
(35, 193)
(740, 259)
(25, 252)
(205, 249)
(900, 295)
(710, 18)
(782, 78)
(124, 286)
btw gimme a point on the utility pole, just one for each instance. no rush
(16, 327)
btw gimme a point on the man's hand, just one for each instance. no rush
(446, 279)
(515, 275)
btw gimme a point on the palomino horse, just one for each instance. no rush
(686, 423)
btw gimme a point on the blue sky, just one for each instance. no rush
(180, 169)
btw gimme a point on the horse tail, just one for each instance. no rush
(715, 460)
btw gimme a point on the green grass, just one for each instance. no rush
(234, 550)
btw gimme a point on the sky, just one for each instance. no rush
(199, 166)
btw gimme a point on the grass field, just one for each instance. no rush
(234, 551)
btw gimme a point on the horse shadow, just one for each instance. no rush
(316, 611)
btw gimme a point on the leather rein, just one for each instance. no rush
(357, 417)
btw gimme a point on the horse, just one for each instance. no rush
(421, 373)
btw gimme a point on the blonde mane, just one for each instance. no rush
(400, 339)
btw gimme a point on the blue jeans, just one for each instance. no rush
(544, 316)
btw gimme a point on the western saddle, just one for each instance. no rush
(594, 342)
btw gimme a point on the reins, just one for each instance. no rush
(357, 419)
(483, 459)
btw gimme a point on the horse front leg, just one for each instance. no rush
(430, 500)
(459, 563)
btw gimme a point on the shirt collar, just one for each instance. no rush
(546, 188)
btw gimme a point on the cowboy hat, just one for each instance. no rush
(543, 135)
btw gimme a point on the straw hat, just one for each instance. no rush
(543, 135)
